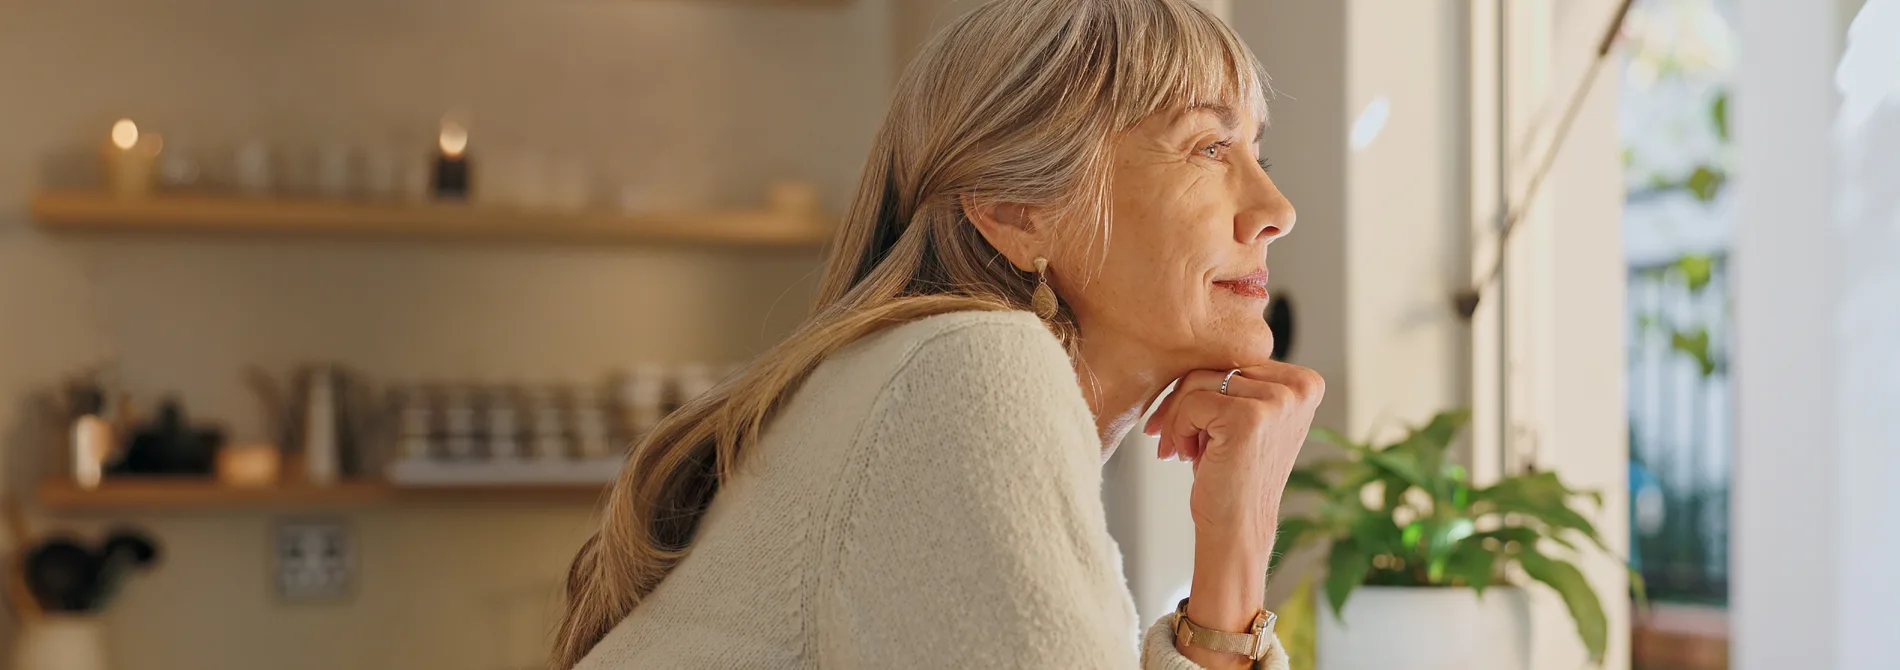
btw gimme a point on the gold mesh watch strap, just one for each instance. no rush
(1252, 644)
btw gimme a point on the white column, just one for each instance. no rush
(1817, 267)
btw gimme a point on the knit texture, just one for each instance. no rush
(930, 497)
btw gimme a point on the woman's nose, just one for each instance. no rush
(1266, 215)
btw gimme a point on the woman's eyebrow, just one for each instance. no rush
(1229, 118)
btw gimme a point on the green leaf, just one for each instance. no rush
(1706, 182)
(1353, 472)
(1579, 598)
(1441, 539)
(1330, 436)
(1345, 570)
(1394, 493)
(1460, 497)
(1404, 466)
(1292, 532)
(1718, 112)
(1307, 479)
(1443, 428)
(1695, 343)
(1338, 514)
(1639, 588)
(1521, 535)
(1540, 496)
(1472, 564)
(1524, 536)
(1378, 534)
(1518, 534)
(1428, 444)
(1455, 531)
(1696, 269)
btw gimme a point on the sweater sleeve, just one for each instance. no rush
(970, 531)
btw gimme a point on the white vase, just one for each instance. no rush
(1387, 627)
(59, 642)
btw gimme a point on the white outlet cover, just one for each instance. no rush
(314, 560)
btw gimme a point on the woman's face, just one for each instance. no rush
(1184, 279)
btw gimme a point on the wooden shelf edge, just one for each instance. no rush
(89, 211)
(166, 494)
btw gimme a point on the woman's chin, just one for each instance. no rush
(1247, 344)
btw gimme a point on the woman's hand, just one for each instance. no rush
(1243, 445)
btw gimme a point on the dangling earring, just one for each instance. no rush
(1043, 301)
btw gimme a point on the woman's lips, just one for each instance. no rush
(1252, 285)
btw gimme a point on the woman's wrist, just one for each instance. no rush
(1230, 581)
(1230, 578)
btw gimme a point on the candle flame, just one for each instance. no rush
(125, 134)
(454, 139)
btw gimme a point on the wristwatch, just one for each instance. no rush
(1252, 644)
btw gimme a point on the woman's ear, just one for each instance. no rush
(1012, 228)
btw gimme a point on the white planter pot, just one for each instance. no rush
(61, 642)
(1394, 628)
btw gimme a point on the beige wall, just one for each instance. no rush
(706, 101)
(1405, 248)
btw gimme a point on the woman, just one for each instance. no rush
(913, 477)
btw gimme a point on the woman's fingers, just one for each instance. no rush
(1278, 384)
(1189, 446)
(1198, 415)
(1304, 382)
(1203, 380)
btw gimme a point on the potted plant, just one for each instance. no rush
(1422, 556)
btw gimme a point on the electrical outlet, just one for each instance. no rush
(315, 560)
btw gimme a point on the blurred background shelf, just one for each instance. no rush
(88, 211)
(161, 494)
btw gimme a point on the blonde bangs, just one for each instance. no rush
(1165, 64)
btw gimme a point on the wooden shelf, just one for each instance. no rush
(163, 494)
(88, 211)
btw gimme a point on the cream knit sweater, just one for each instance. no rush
(930, 497)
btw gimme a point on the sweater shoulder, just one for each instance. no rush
(966, 358)
(970, 384)
(969, 332)
(960, 349)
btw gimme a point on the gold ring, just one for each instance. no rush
(1228, 378)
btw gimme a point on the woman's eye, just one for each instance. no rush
(1266, 165)
(1215, 150)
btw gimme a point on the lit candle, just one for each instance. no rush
(130, 160)
(451, 166)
